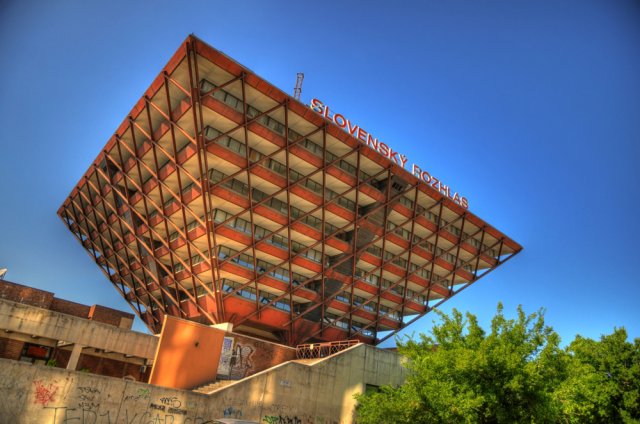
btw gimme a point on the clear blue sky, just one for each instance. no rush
(530, 108)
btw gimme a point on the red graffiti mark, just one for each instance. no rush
(44, 394)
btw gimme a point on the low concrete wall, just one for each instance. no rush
(293, 392)
(312, 392)
(46, 395)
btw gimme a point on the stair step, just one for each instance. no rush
(208, 388)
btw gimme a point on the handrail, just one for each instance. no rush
(322, 350)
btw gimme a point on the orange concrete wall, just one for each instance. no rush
(188, 354)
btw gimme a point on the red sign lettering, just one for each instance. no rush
(386, 151)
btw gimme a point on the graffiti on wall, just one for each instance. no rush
(44, 393)
(135, 407)
(244, 356)
(296, 419)
(224, 366)
(141, 394)
(232, 412)
(93, 404)
(88, 398)
(240, 364)
(280, 419)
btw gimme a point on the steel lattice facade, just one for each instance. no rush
(220, 198)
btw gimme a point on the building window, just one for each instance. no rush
(36, 354)
(370, 388)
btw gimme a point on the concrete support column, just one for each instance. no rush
(75, 355)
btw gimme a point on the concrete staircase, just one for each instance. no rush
(308, 354)
(210, 387)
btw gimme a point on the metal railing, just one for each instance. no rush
(322, 350)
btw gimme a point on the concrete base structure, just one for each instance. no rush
(39, 328)
(199, 373)
(318, 391)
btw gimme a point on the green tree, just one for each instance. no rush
(603, 382)
(462, 374)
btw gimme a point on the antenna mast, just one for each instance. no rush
(298, 88)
